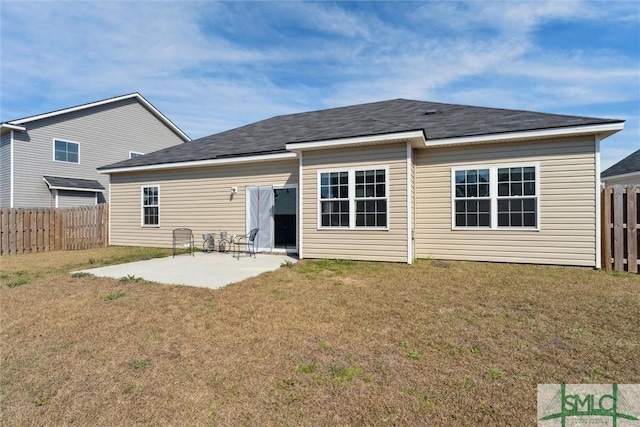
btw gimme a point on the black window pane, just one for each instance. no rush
(516, 174)
(335, 220)
(345, 219)
(344, 178)
(381, 206)
(529, 174)
(516, 189)
(359, 191)
(529, 205)
(484, 205)
(370, 191)
(460, 220)
(460, 206)
(382, 220)
(472, 220)
(370, 206)
(472, 177)
(359, 206)
(516, 205)
(472, 191)
(529, 188)
(344, 206)
(483, 190)
(460, 191)
(324, 192)
(516, 219)
(324, 179)
(380, 190)
(503, 205)
(325, 220)
(369, 177)
(503, 189)
(484, 220)
(472, 206)
(360, 220)
(334, 179)
(503, 220)
(344, 192)
(380, 175)
(460, 177)
(483, 175)
(530, 220)
(503, 175)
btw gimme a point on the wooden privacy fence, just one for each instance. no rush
(620, 218)
(26, 230)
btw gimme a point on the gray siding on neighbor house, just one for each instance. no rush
(68, 199)
(105, 134)
(567, 229)
(5, 170)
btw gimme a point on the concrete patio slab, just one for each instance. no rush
(208, 270)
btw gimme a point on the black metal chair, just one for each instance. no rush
(248, 241)
(183, 239)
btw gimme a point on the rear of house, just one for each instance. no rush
(388, 181)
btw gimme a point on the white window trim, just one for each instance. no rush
(67, 141)
(142, 224)
(493, 196)
(135, 152)
(351, 171)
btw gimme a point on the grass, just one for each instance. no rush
(292, 348)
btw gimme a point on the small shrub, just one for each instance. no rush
(81, 274)
(139, 364)
(130, 278)
(114, 296)
(495, 373)
(413, 355)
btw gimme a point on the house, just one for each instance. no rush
(626, 171)
(50, 160)
(385, 181)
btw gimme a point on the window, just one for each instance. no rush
(133, 154)
(64, 151)
(496, 197)
(150, 206)
(353, 198)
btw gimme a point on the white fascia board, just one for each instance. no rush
(12, 127)
(605, 129)
(89, 190)
(346, 142)
(621, 176)
(198, 163)
(136, 95)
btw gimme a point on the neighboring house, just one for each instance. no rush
(50, 160)
(386, 181)
(626, 171)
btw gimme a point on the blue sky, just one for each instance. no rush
(212, 66)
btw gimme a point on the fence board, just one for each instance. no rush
(48, 229)
(632, 229)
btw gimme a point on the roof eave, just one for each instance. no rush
(620, 176)
(602, 130)
(200, 163)
(416, 138)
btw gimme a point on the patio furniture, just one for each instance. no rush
(183, 239)
(248, 241)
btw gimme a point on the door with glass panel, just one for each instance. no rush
(274, 212)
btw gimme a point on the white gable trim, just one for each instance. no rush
(606, 130)
(135, 95)
(604, 179)
(197, 163)
(417, 137)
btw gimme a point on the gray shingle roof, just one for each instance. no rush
(629, 164)
(377, 118)
(81, 184)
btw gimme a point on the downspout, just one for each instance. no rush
(409, 207)
(300, 197)
(11, 170)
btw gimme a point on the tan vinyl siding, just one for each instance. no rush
(196, 198)
(360, 243)
(105, 135)
(567, 204)
(5, 170)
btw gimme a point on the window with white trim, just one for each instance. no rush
(353, 198)
(64, 151)
(496, 197)
(133, 154)
(151, 205)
